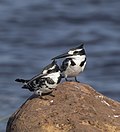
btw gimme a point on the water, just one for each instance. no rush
(32, 32)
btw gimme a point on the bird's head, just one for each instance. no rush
(53, 67)
(72, 52)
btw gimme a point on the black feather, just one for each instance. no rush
(82, 63)
(21, 80)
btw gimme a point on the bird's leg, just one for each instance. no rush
(66, 79)
(76, 79)
(41, 97)
(39, 93)
(52, 95)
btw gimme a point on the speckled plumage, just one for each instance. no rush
(45, 81)
(74, 62)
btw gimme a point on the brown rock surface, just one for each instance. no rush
(76, 107)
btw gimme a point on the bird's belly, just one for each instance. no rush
(72, 71)
(46, 88)
(51, 86)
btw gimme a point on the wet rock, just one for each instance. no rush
(76, 107)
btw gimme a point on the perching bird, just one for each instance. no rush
(74, 62)
(44, 82)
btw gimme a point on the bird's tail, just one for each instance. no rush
(25, 86)
(22, 80)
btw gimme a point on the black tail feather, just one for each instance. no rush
(27, 87)
(21, 80)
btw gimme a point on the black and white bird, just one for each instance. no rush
(74, 62)
(45, 82)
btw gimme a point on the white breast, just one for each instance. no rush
(73, 71)
(54, 77)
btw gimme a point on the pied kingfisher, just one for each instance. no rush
(74, 62)
(44, 82)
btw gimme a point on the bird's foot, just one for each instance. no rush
(76, 80)
(41, 97)
(52, 95)
(68, 80)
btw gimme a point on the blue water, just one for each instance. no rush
(32, 32)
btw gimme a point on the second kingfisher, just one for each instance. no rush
(74, 62)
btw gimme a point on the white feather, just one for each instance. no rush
(73, 71)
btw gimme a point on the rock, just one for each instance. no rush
(76, 107)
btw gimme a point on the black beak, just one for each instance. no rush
(61, 56)
(54, 62)
(80, 47)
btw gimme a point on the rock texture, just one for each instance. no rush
(76, 107)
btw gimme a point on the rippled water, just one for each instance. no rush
(32, 32)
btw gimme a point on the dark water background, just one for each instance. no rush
(33, 31)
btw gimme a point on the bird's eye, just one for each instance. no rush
(38, 92)
(76, 52)
(49, 71)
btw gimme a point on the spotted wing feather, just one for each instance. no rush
(64, 64)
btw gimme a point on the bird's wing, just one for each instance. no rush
(65, 64)
(49, 80)
(37, 77)
(46, 68)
